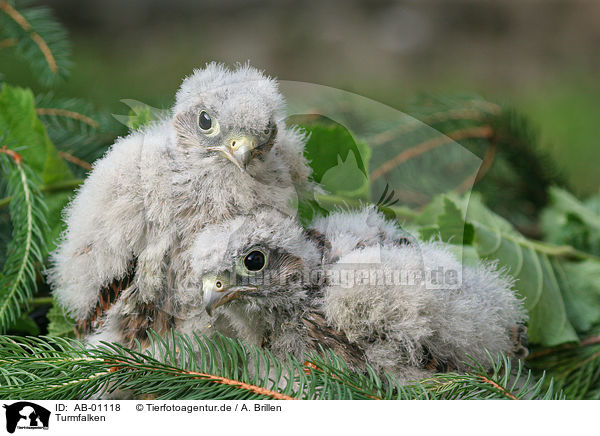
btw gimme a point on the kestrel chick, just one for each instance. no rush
(223, 151)
(371, 299)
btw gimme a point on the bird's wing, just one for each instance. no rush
(105, 226)
(107, 297)
(321, 242)
(322, 334)
(519, 339)
(121, 314)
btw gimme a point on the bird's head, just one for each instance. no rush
(258, 262)
(228, 116)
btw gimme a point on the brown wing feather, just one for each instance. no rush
(322, 243)
(431, 363)
(107, 297)
(145, 316)
(519, 340)
(323, 335)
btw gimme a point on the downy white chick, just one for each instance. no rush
(224, 151)
(292, 291)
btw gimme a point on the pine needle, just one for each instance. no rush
(196, 367)
(37, 38)
(26, 249)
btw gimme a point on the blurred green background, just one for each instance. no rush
(542, 57)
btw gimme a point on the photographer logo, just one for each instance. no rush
(26, 416)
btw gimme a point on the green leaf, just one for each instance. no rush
(140, 114)
(26, 135)
(567, 202)
(346, 179)
(453, 226)
(60, 323)
(570, 221)
(339, 163)
(467, 254)
(429, 232)
(55, 203)
(23, 132)
(479, 212)
(326, 143)
(139, 118)
(26, 325)
(580, 284)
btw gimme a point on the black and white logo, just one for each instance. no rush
(26, 415)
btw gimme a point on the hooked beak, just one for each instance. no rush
(239, 150)
(217, 291)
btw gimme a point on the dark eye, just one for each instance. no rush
(255, 261)
(268, 129)
(204, 121)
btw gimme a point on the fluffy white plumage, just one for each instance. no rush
(409, 329)
(155, 188)
(163, 228)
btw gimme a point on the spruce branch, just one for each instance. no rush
(196, 367)
(67, 114)
(66, 185)
(27, 248)
(80, 133)
(501, 382)
(486, 164)
(176, 367)
(476, 110)
(516, 171)
(479, 132)
(575, 367)
(75, 160)
(37, 38)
